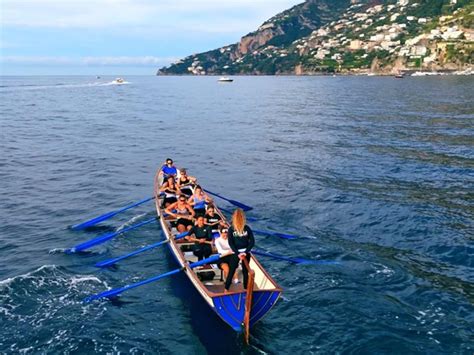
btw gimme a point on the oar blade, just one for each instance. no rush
(93, 242)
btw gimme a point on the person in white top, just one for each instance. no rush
(224, 250)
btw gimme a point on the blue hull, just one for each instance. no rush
(231, 308)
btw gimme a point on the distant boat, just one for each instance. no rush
(425, 73)
(97, 77)
(119, 81)
(225, 79)
(399, 75)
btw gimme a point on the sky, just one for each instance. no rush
(120, 37)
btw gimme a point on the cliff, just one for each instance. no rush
(348, 36)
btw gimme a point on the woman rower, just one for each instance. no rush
(185, 182)
(168, 169)
(183, 212)
(224, 250)
(198, 200)
(170, 190)
(213, 219)
(241, 241)
(201, 235)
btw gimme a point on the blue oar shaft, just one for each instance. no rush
(294, 260)
(250, 219)
(108, 215)
(275, 234)
(105, 237)
(234, 202)
(110, 262)
(117, 291)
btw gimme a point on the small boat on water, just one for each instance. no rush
(239, 308)
(225, 79)
(119, 81)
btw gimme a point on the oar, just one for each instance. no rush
(234, 202)
(294, 260)
(94, 221)
(275, 234)
(117, 291)
(113, 261)
(105, 237)
(250, 219)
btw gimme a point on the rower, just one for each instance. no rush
(202, 237)
(213, 219)
(198, 200)
(183, 212)
(185, 182)
(168, 169)
(170, 190)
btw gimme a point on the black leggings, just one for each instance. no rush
(202, 250)
(233, 261)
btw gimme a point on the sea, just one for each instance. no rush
(375, 174)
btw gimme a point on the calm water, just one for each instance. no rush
(376, 173)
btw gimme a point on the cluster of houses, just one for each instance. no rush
(390, 28)
(381, 27)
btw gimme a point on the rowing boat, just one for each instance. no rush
(239, 308)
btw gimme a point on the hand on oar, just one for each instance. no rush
(234, 202)
(108, 215)
(113, 261)
(294, 260)
(105, 237)
(116, 291)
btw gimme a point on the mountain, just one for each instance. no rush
(348, 36)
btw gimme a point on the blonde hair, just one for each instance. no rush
(239, 221)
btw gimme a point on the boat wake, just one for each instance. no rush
(61, 86)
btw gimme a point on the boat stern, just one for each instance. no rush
(231, 307)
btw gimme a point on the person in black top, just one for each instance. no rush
(241, 241)
(202, 237)
(213, 219)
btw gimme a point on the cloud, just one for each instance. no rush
(88, 61)
(151, 14)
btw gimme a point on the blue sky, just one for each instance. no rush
(120, 37)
